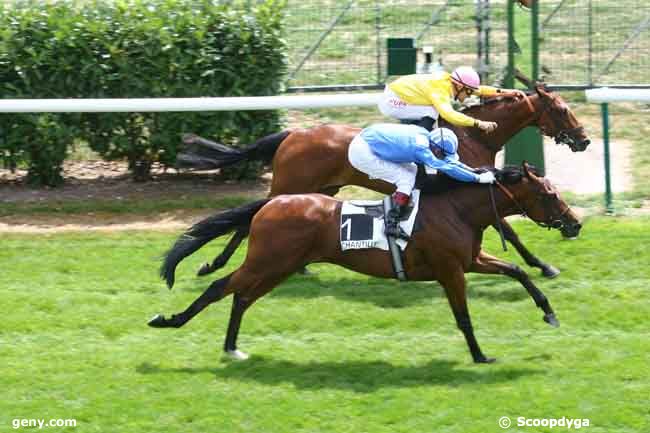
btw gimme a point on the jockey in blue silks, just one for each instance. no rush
(389, 152)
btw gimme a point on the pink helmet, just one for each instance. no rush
(467, 76)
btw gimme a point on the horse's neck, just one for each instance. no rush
(511, 118)
(474, 205)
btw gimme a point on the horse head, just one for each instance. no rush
(555, 119)
(538, 199)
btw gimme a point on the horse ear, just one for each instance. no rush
(523, 79)
(540, 88)
(527, 171)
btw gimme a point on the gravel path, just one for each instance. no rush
(584, 172)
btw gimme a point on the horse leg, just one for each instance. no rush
(549, 271)
(221, 260)
(454, 285)
(239, 306)
(217, 291)
(243, 299)
(487, 264)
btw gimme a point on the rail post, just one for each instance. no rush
(609, 207)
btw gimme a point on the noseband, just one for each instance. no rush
(552, 222)
(563, 136)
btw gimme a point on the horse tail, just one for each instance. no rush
(203, 232)
(203, 154)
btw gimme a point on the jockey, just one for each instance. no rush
(422, 98)
(389, 151)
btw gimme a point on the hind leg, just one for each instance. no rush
(217, 291)
(221, 260)
(240, 303)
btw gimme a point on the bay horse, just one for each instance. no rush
(289, 231)
(316, 159)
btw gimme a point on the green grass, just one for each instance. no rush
(338, 352)
(129, 206)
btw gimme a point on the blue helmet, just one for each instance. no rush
(445, 140)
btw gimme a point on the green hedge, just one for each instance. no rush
(134, 48)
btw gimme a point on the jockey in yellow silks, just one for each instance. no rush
(422, 98)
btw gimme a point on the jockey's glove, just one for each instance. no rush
(487, 177)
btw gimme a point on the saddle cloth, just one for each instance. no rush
(362, 224)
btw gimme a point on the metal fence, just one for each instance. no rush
(582, 42)
(595, 42)
(344, 42)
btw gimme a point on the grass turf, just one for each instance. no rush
(335, 352)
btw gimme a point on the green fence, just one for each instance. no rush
(595, 42)
(583, 43)
(345, 42)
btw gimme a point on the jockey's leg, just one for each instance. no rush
(391, 105)
(405, 181)
(401, 175)
(427, 123)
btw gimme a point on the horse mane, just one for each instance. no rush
(494, 100)
(434, 184)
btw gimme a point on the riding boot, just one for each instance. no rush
(400, 204)
(427, 123)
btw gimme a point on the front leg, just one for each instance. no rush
(453, 282)
(487, 264)
(549, 271)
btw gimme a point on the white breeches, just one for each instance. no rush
(392, 106)
(363, 159)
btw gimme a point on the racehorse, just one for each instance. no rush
(316, 159)
(290, 231)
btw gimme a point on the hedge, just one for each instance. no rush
(134, 48)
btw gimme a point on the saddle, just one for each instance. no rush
(362, 227)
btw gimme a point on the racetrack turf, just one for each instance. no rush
(336, 352)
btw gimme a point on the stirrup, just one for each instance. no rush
(396, 232)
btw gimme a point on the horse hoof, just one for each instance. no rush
(235, 355)
(550, 271)
(484, 360)
(157, 321)
(204, 270)
(552, 320)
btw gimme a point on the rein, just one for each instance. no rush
(563, 135)
(553, 222)
(496, 213)
(512, 198)
(530, 104)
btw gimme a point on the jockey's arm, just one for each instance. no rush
(491, 91)
(447, 112)
(457, 170)
(488, 91)
(453, 160)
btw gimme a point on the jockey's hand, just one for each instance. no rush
(487, 177)
(486, 126)
(480, 170)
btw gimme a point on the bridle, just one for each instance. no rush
(563, 136)
(552, 221)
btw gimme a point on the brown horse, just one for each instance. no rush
(316, 159)
(290, 231)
